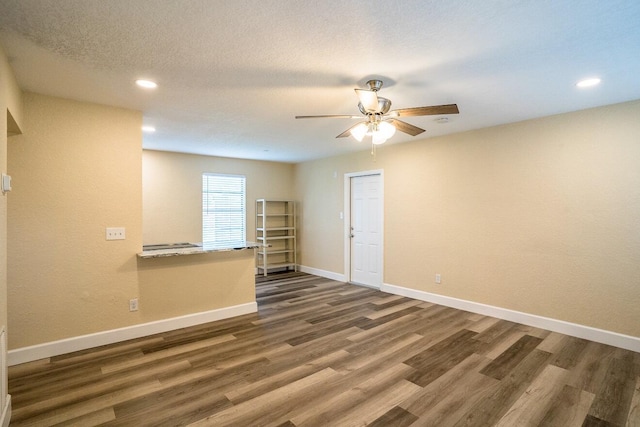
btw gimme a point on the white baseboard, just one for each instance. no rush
(322, 273)
(593, 334)
(69, 345)
(5, 417)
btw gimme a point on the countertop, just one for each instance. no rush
(179, 249)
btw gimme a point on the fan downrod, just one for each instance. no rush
(374, 85)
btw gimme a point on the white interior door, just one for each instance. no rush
(366, 230)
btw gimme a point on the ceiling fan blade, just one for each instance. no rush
(406, 127)
(348, 131)
(368, 99)
(433, 110)
(330, 116)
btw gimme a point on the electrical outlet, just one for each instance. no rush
(133, 304)
(438, 278)
(115, 233)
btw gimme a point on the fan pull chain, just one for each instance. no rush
(373, 152)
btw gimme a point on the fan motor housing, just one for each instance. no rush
(384, 105)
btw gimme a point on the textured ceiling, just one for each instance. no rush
(233, 74)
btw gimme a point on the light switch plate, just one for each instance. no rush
(115, 233)
(6, 183)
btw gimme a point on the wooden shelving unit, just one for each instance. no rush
(276, 230)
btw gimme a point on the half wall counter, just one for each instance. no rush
(195, 281)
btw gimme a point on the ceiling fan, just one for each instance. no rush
(380, 123)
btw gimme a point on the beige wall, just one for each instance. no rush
(172, 191)
(10, 123)
(11, 108)
(76, 170)
(540, 216)
(11, 96)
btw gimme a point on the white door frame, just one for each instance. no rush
(347, 221)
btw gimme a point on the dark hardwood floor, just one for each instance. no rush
(324, 353)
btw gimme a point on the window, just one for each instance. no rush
(224, 218)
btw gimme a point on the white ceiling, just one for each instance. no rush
(233, 74)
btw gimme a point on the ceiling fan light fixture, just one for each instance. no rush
(359, 131)
(368, 99)
(378, 138)
(381, 123)
(386, 129)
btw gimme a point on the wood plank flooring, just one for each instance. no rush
(325, 353)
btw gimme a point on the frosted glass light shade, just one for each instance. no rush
(378, 138)
(386, 129)
(359, 131)
(368, 99)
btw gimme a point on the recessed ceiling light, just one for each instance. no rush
(148, 129)
(147, 84)
(588, 82)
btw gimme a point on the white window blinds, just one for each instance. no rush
(224, 215)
